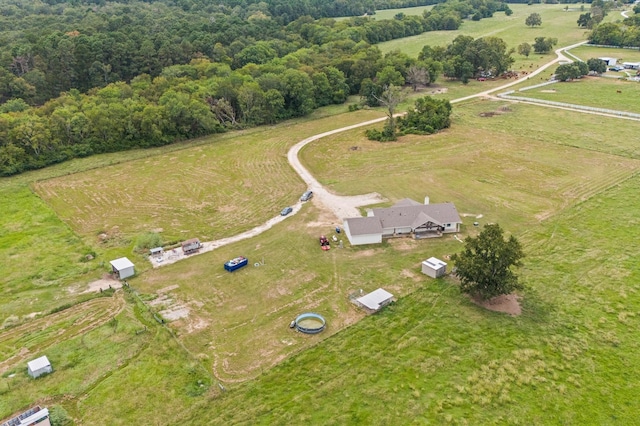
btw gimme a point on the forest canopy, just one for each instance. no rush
(84, 77)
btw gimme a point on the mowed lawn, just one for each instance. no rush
(210, 191)
(619, 95)
(435, 358)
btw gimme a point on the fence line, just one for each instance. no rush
(508, 96)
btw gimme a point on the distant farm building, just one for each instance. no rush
(122, 268)
(434, 267)
(631, 65)
(375, 300)
(609, 61)
(406, 218)
(39, 366)
(191, 246)
(33, 416)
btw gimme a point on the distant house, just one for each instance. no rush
(406, 217)
(191, 246)
(434, 267)
(39, 366)
(375, 300)
(122, 268)
(33, 416)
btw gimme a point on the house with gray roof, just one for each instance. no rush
(406, 217)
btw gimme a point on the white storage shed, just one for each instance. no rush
(122, 268)
(39, 366)
(434, 267)
(376, 299)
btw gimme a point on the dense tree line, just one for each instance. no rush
(49, 48)
(147, 74)
(465, 57)
(623, 34)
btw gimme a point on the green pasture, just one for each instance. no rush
(209, 191)
(408, 11)
(434, 357)
(619, 95)
(622, 55)
(512, 29)
(557, 179)
(80, 361)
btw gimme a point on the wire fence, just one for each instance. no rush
(508, 96)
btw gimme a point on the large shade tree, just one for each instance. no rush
(485, 265)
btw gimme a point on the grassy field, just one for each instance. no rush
(237, 323)
(557, 179)
(620, 95)
(512, 29)
(435, 358)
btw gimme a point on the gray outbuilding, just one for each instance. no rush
(434, 267)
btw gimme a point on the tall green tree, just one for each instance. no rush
(485, 266)
(427, 116)
(533, 20)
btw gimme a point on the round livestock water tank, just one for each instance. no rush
(310, 323)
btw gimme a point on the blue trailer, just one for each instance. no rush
(236, 263)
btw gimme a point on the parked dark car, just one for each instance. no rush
(286, 211)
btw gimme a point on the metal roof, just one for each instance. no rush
(39, 363)
(434, 263)
(374, 299)
(122, 263)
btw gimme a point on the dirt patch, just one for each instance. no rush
(438, 91)
(175, 313)
(488, 114)
(365, 253)
(506, 303)
(105, 283)
(548, 91)
(403, 243)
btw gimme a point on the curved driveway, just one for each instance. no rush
(341, 206)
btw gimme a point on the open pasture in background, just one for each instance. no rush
(556, 22)
(208, 191)
(597, 92)
(508, 162)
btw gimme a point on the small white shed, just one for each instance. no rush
(434, 267)
(376, 299)
(122, 268)
(39, 366)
